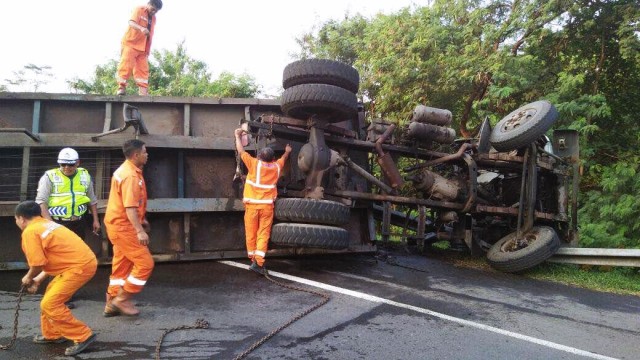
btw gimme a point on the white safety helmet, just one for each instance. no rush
(68, 156)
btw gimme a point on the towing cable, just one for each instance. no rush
(202, 324)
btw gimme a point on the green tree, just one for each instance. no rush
(485, 58)
(172, 73)
(31, 78)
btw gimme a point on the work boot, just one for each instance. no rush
(260, 270)
(40, 339)
(121, 90)
(143, 91)
(109, 310)
(123, 304)
(79, 347)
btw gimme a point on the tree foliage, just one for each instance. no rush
(485, 58)
(30, 78)
(172, 73)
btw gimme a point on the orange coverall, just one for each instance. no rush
(132, 263)
(65, 256)
(135, 49)
(260, 192)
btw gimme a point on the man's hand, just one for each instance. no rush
(287, 149)
(27, 280)
(143, 238)
(34, 287)
(238, 132)
(96, 226)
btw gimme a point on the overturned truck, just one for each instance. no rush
(510, 193)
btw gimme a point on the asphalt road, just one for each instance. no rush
(376, 311)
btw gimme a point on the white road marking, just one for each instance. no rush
(376, 299)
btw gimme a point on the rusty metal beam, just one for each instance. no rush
(141, 99)
(505, 160)
(162, 205)
(116, 141)
(351, 143)
(108, 109)
(33, 136)
(24, 177)
(514, 212)
(396, 199)
(330, 128)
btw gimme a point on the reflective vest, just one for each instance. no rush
(260, 187)
(68, 196)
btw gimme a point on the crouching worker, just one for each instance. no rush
(53, 250)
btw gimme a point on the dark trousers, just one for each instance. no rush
(79, 227)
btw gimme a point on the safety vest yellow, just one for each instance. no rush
(68, 197)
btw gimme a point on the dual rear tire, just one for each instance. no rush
(320, 87)
(310, 223)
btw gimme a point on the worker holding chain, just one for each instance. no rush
(52, 250)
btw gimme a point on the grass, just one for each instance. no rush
(599, 278)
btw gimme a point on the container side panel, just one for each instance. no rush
(217, 231)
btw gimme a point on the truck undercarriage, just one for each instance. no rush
(509, 192)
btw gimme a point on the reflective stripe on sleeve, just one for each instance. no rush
(260, 253)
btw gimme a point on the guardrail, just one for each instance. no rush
(597, 256)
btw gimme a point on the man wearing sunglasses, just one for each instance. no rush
(65, 194)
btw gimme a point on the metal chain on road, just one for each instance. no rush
(15, 322)
(325, 299)
(202, 324)
(199, 324)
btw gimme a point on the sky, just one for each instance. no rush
(240, 36)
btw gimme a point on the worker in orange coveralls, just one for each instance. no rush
(53, 250)
(127, 228)
(260, 193)
(136, 46)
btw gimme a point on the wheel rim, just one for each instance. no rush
(514, 244)
(518, 119)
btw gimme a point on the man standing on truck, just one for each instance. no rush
(127, 228)
(136, 46)
(259, 195)
(53, 250)
(66, 193)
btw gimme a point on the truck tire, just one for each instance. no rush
(329, 102)
(321, 71)
(543, 242)
(309, 236)
(323, 212)
(523, 126)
